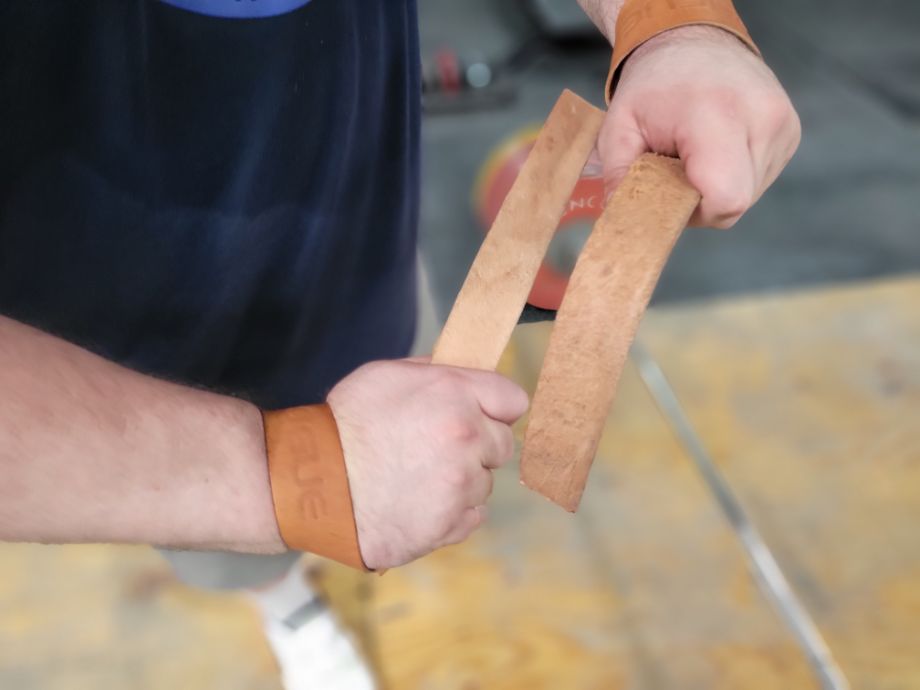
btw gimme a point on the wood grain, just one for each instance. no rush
(807, 400)
(496, 287)
(607, 295)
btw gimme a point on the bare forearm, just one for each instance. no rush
(93, 452)
(603, 13)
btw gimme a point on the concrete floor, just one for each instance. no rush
(848, 207)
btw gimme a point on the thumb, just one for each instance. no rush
(499, 397)
(619, 143)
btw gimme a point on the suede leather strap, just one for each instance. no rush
(596, 323)
(640, 20)
(495, 290)
(605, 300)
(309, 483)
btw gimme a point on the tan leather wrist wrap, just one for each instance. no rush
(640, 20)
(309, 483)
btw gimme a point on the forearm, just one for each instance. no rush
(604, 14)
(93, 452)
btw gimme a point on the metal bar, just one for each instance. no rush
(764, 566)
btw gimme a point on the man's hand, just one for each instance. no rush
(698, 93)
(420, 443)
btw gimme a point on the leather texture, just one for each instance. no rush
(640, 20)
(607, 294)
(309, 483)
(496, 287)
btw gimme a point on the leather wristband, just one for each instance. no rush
(640, 20)
(309, 483)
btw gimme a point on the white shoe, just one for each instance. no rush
(315, 653)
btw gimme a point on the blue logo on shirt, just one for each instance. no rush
(238, 9)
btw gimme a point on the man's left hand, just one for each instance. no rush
(699, 93)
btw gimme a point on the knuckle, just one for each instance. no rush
(456, 478)
(777, 111)
(445, 525)
(447, 384)
(440, 522)
(477, 520)
(726, 200)
(450, 378)
(463, 530)
(735, 208)
(725, 223)
(474, 520)
(457, 536)
(463, 431)
(725, 102)
(453, 539)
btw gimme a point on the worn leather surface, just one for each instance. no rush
(496, 287)
(310, 485)
(640, 20)
(596, 323)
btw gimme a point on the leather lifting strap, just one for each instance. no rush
(607, 294)
(496, 287)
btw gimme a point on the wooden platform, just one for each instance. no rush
(810, 404)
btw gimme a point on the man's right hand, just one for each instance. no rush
(420, 444)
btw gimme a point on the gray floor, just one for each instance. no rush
(847, 208)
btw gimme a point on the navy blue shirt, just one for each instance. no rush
(229, 201)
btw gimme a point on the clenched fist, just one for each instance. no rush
(420, 444)
(699, 93)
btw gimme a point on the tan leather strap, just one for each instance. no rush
(310, 484)
(607, 294)
(496, 287)
(640, 20)
(606, 297)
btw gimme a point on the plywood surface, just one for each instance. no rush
(811, 405)
(107, 618)
(808, 402)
